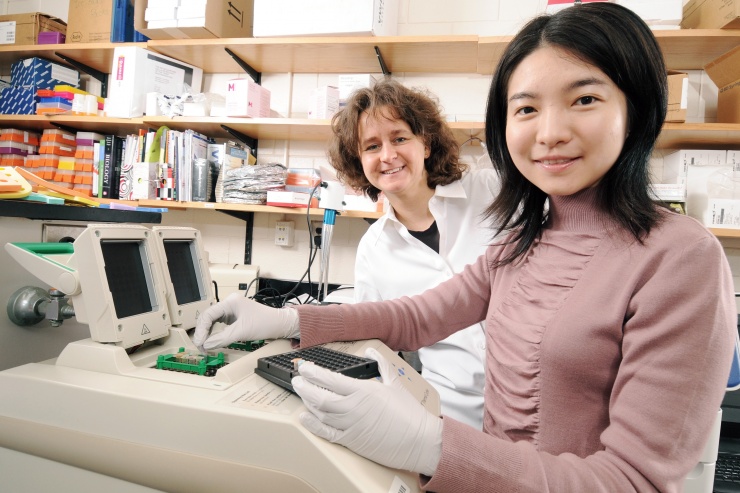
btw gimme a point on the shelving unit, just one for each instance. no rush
(683, 50)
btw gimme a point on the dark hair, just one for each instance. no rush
(419, 109)
(620, 44)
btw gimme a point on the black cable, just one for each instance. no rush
(311, 253)
(215, 290)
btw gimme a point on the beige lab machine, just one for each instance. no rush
(136, 407)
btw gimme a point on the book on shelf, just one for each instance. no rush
(112, 155)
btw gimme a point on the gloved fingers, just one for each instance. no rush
(326, 405)
(388, 371)
(315, 426)
(205, 322)
(331, 380)
(221, 339)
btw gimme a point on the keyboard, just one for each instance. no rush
(727, 473)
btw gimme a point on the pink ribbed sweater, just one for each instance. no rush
(606, 359)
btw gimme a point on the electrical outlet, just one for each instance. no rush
(316, 229)
(284, 233)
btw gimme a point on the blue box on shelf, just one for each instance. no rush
(16, 100)
(42, 74)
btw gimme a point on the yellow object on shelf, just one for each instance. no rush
(12, 184)
(70, 198)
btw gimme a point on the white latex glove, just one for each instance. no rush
(246, 320)
(379, 420)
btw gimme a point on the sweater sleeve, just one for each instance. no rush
(678, 338)
(407, 323)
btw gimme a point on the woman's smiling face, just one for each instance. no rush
(566, 121)
(392, 156)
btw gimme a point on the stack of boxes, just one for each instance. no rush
(707, 178)
(31, 28)
(27, 77)
(57, 153)
(85, 166)
(165, 19)
(16, 146)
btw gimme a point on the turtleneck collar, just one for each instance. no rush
(578, 212)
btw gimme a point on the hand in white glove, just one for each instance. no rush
(379, 420)
(246, 320)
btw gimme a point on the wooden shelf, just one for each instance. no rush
(674, 135)
(699, 135)
(302, 129)
(725, 233)
(37, 210)
(118, 126)
(170, 205)
(442, 54)
(96, 55)
(683, 49)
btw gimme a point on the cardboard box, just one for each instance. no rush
(89, 21)
(331, 18)
(678, 96)
(733, 159)
(133, 76)
(676, 164)
(724, 213)
(711, 14)
(349, 83)
(700, 188)
(725, 73)
(668, 192)
(656, 12)
(323, 103)
(245, 98)
(556, 5)
(279, 198)
(24, 29)
(42, 74)
(222, 19)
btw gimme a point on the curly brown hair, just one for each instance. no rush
(419, 109)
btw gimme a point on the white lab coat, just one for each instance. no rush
(391, 263)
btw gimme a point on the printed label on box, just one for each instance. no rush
(7, 33)
(725, 213)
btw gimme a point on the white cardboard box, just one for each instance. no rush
(280, 198)
(245, 98)
(324, 102)
(724, 213)
(349, 83)
(676, 164)
(137, 71)
(698, 191)
(325, 18)
(733, 159)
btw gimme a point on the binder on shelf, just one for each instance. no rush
(122, 21)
